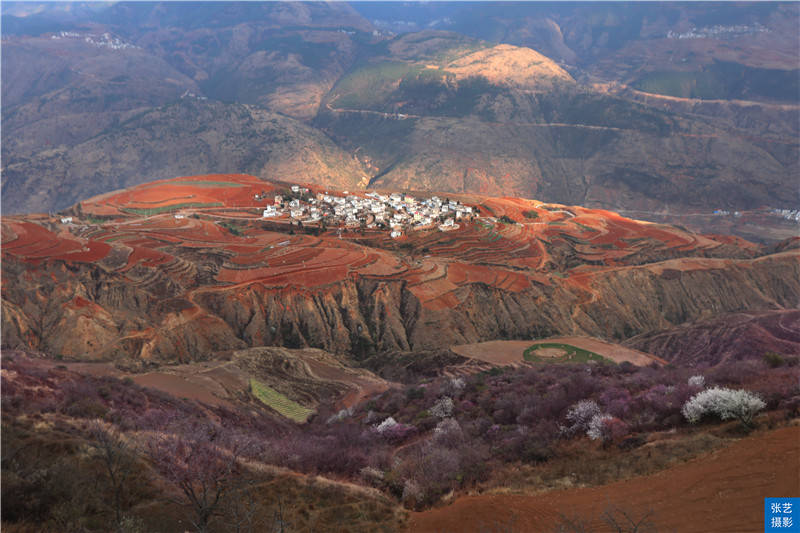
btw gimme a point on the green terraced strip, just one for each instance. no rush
(207, 183)
(280, 403)
(573, 354)
(142, 211)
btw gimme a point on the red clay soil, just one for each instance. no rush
(147, 256)
(178, 386)
(721, 492)
(503, 353)
(192, 189)
(460, 273)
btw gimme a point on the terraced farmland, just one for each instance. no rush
(342, 289)
(279, 402)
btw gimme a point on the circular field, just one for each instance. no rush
(557, 349)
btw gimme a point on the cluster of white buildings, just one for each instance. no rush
(788, 214)
(105, 40)
(718, 31)
(725, 212)
(397, 211)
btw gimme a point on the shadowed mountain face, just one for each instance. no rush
(187, 136)
(660, 108)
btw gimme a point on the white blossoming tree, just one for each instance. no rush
(726, 403)
(386, 425)
(697, 381)
(579, 415)
(596, 429)
(443, 407)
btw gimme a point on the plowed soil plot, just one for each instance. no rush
(495, 352)
(230, 190)
(721, 492)
(182, 387)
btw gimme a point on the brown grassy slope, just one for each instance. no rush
(729, 484)
(186, 137)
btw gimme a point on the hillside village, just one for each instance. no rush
(396, 212)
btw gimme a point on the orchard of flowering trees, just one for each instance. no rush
(415, 443)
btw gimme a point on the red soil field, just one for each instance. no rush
(147, 257)
(192, 189)
(720, 492)
(503, 353)
(609, 350)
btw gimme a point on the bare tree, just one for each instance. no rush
(618, 519)
(119, 458)
(243, 511)
(45, 311)
(279, 525)
(573, 524)
(203, 470)
(627, 521)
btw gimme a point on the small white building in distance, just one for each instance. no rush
(179, 216)
(448, 225)
(66, 220)
(295, 188)
(270, 212)
(396, 234)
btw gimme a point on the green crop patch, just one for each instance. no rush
(207, 184)
(279, 402)
(571, 354)
(369, 86)
(148, 211)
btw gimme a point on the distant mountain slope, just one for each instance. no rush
(558, 102)
(492, 127)
(188, 136)
(711, 50)
(63, 89)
